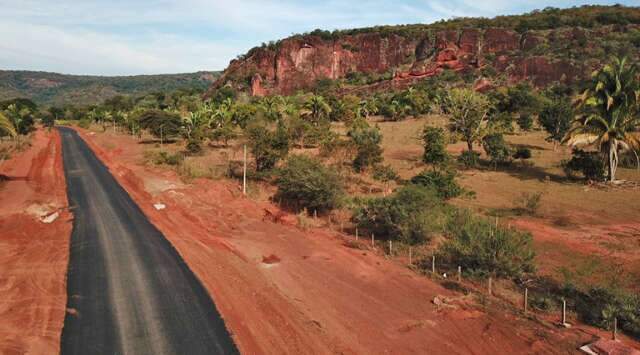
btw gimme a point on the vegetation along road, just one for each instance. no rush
(129, 292)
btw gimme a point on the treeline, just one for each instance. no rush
(586, 16)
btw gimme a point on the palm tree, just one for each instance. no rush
(609, 113)
(6, 126)
(315, 109)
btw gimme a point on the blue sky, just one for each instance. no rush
(118, 37)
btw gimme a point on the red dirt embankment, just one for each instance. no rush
(286, 291)
(33, 254)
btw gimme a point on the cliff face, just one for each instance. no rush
(299, 62)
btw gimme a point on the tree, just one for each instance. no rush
(21, 118)
(306, 183)
(6, 126)
(467, 111)
(367, 142)
(496, 147)
(435, 151)
(609, 113)
(267, 146)
(315, 109)
(555, 117)
(412, 214)
(160, 124)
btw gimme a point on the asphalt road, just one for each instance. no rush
(129, 291)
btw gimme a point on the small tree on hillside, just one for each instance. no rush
(160, 124)
(555, 117)
(267, 146)
(435, 151)
(369, 152)
(468, 112)
(305, 183)
(497, 148)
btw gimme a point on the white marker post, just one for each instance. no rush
(244, 173)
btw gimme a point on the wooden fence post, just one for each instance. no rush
(526, 299)
(490, 286)
(459, 273)
(410, 252)
(433, 264)
(356, 233)
(373, 240)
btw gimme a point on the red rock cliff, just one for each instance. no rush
(297, 63)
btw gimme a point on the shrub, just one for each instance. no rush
(443, 183)
(194, 146)
(480, 247)
(496, 148)
(384, 173)
(160, 158)
(303, 182)
(529, 203)
(369, 152)
(469, 159)
(522, 153)
(599, 306)
(525, 121)
(267, 146)
(411, 214)
(589, 164)
(434, 146)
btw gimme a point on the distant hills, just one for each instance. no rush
(59, 89)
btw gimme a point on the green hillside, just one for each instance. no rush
(59, 89)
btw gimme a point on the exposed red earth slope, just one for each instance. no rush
(33, 254)
(284, 290)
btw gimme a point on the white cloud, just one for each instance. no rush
(152, 36)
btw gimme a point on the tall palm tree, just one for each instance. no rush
(609, 113)
(315, 109)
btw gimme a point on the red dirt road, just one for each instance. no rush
(283, 290)
(33, 254)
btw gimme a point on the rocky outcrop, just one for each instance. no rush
(299, 62)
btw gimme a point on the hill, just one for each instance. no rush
(547, 46)
(59, 89)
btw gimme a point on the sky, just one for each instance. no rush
(118, 37)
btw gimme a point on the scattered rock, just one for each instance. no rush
(50, 218)
(271, 259)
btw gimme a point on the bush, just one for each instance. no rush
(369, 152)
(496, 148)
(599, 306)
(304, 183)
(267, 146)
(477, 245)
(160, 158)
(469, 159)
(443, 183)
(384, 173)
(529, 203)
(411, 214)
(522, 153)
(435, 151)
(194, 146)
(589, 164)
(525, 121)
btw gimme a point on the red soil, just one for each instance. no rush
(33, 255)
(321, 297)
